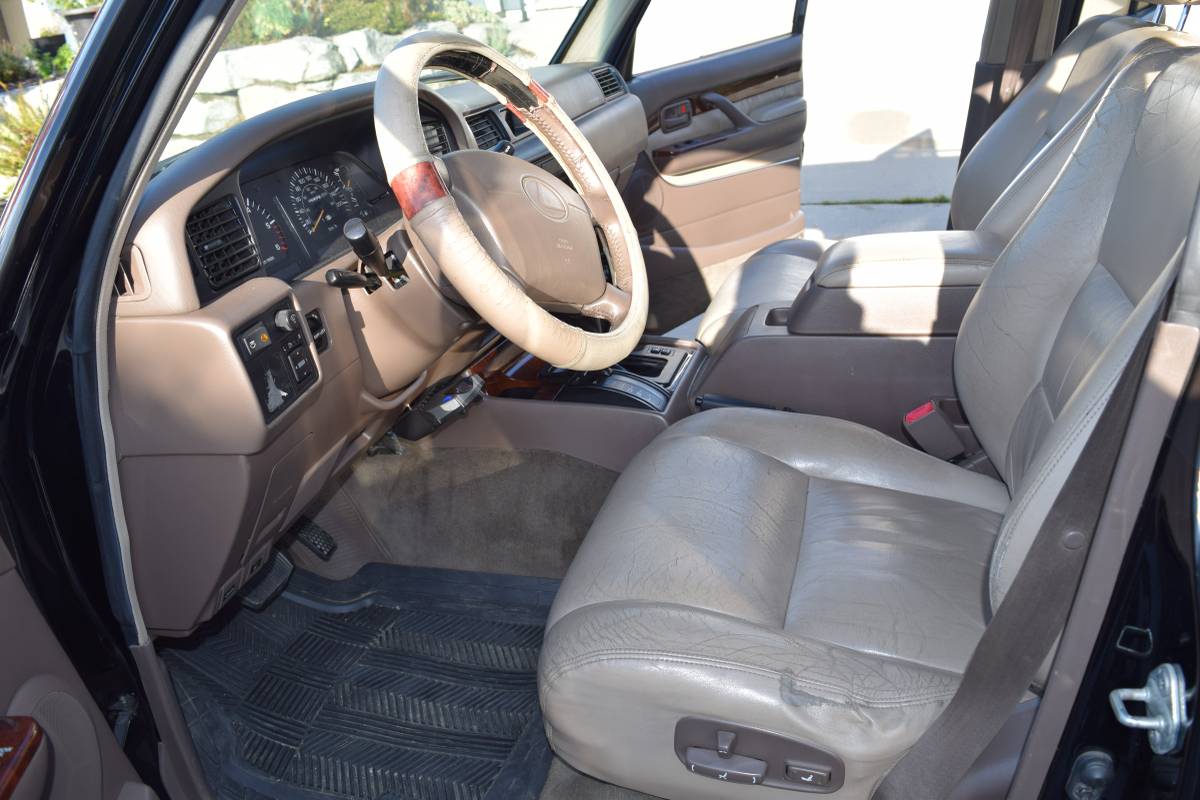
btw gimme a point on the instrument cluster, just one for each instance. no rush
(297, 213)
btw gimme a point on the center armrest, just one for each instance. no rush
(895, 284)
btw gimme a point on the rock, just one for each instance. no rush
(260, 98)
(220, 78)
(208, 114)
(442, 25)
(354, 78)
(365, 48)
(301, 59)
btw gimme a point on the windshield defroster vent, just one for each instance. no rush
(221, 243)
(610, 82)
(486, 130)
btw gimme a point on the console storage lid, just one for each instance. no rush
(895, 284)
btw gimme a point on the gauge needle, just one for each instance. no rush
(316, 224)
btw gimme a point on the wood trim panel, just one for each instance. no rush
(20, 738)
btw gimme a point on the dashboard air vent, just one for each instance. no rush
(437, 138)
(221, 242)
(486, 130)
(609, 80)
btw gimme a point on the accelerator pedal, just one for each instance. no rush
(268, 583)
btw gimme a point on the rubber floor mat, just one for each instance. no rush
(396, 684)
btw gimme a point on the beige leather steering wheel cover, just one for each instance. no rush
(433, 216)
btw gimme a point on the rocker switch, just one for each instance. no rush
(809, 775)
(725, 740)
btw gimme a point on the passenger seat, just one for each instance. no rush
(1000, 182)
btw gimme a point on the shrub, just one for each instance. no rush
(20, 123)
(51, 65)
(386, 16)
(15, 67)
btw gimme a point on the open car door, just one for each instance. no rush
(54, 742)
(726, 113)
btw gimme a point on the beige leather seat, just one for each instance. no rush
(1001, 180)
(817, 580)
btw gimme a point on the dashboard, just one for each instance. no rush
(242, 382)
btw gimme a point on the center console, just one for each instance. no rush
(648, 379)
(604, 416)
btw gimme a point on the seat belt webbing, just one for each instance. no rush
(1029, 620)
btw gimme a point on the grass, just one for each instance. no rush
(892, 201)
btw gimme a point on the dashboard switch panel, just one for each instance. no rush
(277, 358)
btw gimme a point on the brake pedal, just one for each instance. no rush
(268, 583)
(315, 538)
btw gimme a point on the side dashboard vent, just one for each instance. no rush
(486, 130)
(132, 281)
(610, 82)
(221, 243)
(437, 137)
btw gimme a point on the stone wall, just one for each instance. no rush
(244, 82)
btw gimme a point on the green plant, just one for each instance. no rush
(51, 65)
(387, 16)
(20, 122)
(15, 67)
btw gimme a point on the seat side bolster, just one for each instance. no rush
(616, 678)
(824, 447)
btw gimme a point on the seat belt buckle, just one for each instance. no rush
(931, 426)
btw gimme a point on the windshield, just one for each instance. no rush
(284, 50)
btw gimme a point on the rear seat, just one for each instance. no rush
(1000, 182)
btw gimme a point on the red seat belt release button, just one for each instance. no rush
(931, 428)
(919, 413)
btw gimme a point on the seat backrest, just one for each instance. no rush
(1058, 315)
(1033, 136)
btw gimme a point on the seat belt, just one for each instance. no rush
(1031, 616)
(1027, 20)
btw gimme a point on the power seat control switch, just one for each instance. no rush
(810, 776)
(731, 768)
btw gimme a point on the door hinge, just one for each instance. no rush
(1166, 698)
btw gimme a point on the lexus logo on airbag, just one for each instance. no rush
(545, 198)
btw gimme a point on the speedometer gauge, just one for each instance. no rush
(320, 203)
(268, 234)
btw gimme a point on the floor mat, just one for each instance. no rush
(398, 683)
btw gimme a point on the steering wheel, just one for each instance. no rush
(514, 241)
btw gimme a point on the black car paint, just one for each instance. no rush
(54, 234)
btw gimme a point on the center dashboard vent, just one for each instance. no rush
(486, 130)
(221, 243)
(610, 82)
(437, 136)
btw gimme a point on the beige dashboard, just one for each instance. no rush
(236, 401)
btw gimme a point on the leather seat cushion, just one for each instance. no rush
(807, 555)
(774, 274)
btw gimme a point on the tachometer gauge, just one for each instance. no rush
(319, 203)
(268, 234)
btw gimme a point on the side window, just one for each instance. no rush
(676, 31)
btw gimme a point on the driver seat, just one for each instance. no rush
(812, 580)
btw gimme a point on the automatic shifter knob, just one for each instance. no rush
(365, 245)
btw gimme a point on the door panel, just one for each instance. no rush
(721, 175)
(69, 752)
